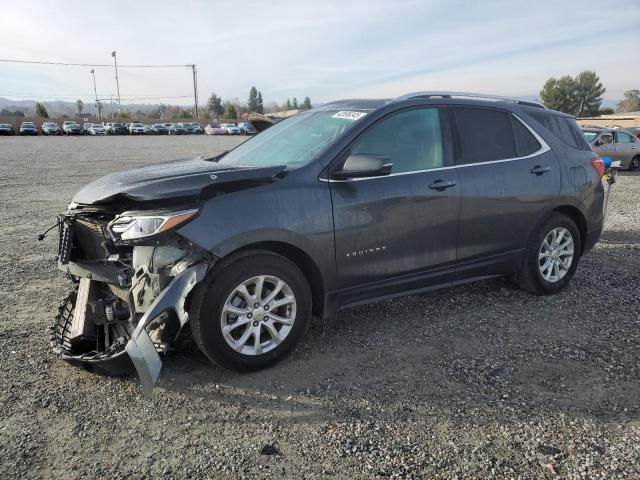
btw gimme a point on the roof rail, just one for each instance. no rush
(467, 95)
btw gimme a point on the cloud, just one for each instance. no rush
(326, 49)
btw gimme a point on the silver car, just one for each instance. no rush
(616, 143)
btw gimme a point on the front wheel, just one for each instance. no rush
(551, 256)
(251, 311)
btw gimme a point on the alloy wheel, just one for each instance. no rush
(556, 254)
(258, 315)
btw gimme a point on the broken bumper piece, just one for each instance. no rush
(134, 347)
(140, 347)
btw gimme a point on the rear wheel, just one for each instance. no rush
(251, 311)
(551, 256)
(635, 163)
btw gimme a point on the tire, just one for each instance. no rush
(635, 163)
(531, 277)
(207, 312)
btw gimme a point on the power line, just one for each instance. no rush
(66, 64)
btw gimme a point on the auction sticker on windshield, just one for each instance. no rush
(349, 115)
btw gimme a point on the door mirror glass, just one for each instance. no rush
(598, 143)
(358, 166)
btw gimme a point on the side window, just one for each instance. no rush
(526, 143)
(483, 135)
(565, 128)
(606, 138)
(411, 139)
(622, 137)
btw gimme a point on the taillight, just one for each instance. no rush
(598, 164)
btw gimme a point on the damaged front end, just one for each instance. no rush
(132, 276)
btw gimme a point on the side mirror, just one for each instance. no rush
(598, 143)
(358, 166)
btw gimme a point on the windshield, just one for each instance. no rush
(294, 141)
(590, 136)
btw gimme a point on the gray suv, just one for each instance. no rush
(350, 203)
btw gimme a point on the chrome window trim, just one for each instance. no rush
(544, 148)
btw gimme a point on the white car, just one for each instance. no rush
(231, 128)
(97, 129)
(137, 128)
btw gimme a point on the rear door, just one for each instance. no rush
(398, 232)
(508, 177)
(626, 147)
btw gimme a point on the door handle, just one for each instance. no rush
(539, 170)
(441, 185)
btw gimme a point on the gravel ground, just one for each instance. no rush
(484, 381)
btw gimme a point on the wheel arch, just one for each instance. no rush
(578, 217)
(302, 260)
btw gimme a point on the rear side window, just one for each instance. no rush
(622, 137)
(565, 128)
(483, 135)
(526, 143)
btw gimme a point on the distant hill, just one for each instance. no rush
(58, 108)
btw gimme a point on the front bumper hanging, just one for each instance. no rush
(140, 347)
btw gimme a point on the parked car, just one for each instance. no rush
(187, 126)
(137, 128)
(71, 128)
(615, 143)
(177, 129)
(85, 127)
(159, 129)
(28, 128)
(349, 203)
(50, 128)
(7, 129)
(97, 129)
(213, 129)
(635, 131)
(246, 128)
(231, 128)
(116, 128)
(196, 128)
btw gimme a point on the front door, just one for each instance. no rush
(397, 232)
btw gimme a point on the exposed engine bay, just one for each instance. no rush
(128, 303)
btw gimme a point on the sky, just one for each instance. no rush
(322, 49)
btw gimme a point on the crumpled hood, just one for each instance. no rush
(172, 179)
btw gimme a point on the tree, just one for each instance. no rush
(214, 105)
(306, 105)
(253, 100)
(560, 94)
(288, 104)
(260, 104)
(79, 106)
(589, 91)
(99, 108)
(294, 104)
(5, 112)
(230, 112)
(630, 102)
(41, 111)
(606, 111)
(580, 96)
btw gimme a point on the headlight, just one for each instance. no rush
(134, 225)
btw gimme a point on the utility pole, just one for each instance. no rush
(115, 64)
(95, 91)
(195, 89)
